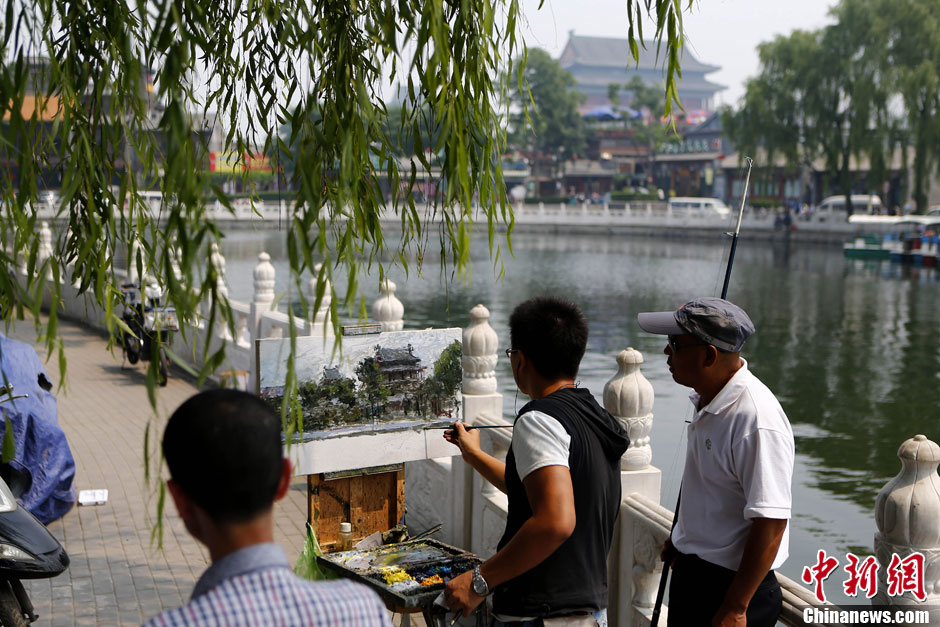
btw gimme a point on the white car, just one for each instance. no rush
(698, 206)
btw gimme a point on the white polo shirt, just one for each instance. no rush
(739, 466)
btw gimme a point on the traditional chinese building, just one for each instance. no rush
(596, 62)
(402, 373)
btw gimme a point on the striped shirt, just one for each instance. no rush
(255, 586)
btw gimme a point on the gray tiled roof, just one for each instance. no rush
(613, 52)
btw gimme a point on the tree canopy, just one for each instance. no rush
(866, 86)
(113, 97)
(107, 98)
(553, 126)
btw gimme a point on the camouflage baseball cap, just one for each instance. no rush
(713, 320)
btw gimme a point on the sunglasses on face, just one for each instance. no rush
(674, 346)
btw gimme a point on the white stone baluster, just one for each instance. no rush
(45, 250)
(479, 354)
(629, 397)
(322, 315)
(218, 263)
(45, 242)
(261, 303)
(175, 255)
(388, 310)
(132, 261)
(633, 566)
(482, 404)
(221, 289)
(907, 512)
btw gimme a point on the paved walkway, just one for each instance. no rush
(117, 575)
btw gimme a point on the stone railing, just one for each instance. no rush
(908, 509)
(473, 512)
(588, 216)
(256, 319)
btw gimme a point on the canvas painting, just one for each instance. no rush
(380, 383)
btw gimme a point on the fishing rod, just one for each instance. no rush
(667, 561)
(737, 229)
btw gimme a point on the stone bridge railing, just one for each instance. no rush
(473, 513)
(594, 216)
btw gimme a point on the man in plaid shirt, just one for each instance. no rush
(223, 449)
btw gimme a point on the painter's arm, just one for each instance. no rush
(763, 540)
(490, 468)
(551, 498)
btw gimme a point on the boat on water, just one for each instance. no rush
(908, 239)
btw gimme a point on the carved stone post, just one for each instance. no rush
(629, 397)
(459, 499)
(907, 512)
(479, 354)
(132, 261)
(260, 304)
(45, 246)
(632, 567)
(218, 262)
(221, 289)
(322, 315)
(388, 310)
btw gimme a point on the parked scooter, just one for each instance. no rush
(146, 320)
(27, 549)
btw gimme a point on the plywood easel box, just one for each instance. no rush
(371, 501)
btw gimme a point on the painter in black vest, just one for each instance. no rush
(561, 476)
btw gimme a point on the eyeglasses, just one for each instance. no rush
(510, 351)
(674, 346)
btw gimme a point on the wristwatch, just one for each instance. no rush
(479, 583)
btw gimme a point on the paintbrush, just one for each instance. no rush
(471, 427)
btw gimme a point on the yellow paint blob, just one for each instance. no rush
(395, 575)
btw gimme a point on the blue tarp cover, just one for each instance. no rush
(42, 452)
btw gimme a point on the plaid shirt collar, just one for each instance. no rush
(251, 558)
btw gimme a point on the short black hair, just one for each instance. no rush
(223, 448)
(552, 333)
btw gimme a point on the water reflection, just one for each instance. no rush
(851, 348)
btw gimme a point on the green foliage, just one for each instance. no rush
(633, 196)
(866, 86)
(552, 124)
(667, 16)
(373, 382)
(89, 113)
(447, 369)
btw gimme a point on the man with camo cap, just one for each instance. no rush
(731, 531)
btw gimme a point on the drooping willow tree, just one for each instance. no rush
(110, 97)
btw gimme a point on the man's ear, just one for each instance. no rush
(182, 501)
(711, 356)
(284, 483)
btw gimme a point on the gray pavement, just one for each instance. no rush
(117, 575)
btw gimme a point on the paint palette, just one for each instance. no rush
(407, 574)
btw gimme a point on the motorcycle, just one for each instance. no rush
(27, 549)
(150, 325)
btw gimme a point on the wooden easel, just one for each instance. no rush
(372, 499)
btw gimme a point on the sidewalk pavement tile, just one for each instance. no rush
(117, 576)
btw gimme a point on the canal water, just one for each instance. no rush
(851, 348)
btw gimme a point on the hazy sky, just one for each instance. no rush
(718, 32)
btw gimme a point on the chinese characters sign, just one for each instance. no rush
(902, 575)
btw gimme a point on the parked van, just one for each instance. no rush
(861, 203)
(698, 206)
